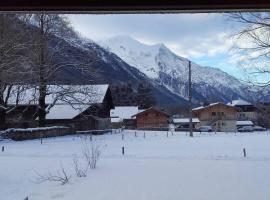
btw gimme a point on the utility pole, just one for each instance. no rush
(189, 99)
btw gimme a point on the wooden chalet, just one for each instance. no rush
(152, 118)
(220, 116)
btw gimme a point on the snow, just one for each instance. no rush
(198, 108)
(66, 111)
(242, 123)
(239, 102)
(116, 119)
(123, 112)
(185, 120)
(134, 53)
(207, 167)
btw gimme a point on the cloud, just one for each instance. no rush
(186, 34)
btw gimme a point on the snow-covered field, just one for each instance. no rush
(157, 167)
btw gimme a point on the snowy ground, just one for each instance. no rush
(206, 167)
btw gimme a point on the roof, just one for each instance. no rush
(198, 108)
(239, 102)
(152, 108)
(66, 111)
(210, 105)
(60, 94)
(185, 120)
(116, 120)
(244, 123)
(124, 112)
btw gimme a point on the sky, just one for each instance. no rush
(204, 38)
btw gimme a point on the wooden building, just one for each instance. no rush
(220, 116)
(81, 107)
(152, 118)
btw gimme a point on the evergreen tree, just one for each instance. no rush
(145, 98)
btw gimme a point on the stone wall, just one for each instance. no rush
(35, 133)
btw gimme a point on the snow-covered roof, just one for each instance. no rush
(239, 102)
(212, 104)
(73, 94)
(124, 112)
(185, 120)
(244, 123)
(65, 111)
(198, 108)
(116, 120)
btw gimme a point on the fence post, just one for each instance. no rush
(167, 134)
(135, 134)
(122, 136)
(3, 148)
(123, 150)
(144, 134)
(40, 140)
(244, 151)
(91, 138)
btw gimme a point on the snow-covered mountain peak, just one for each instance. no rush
(160, 64)
(135, 53)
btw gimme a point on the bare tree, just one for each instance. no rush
(46, 25)
(253, 45)
(13, 61)
(50, 39)
(253, 48)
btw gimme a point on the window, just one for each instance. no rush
(213, 114)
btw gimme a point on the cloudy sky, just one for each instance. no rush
(203, 38)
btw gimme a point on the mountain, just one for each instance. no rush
(90, 63)
(123, 60)
(166, 68)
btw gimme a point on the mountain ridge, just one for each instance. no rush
(165, 67)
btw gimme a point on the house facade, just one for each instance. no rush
(220, 116)
(152, 118)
